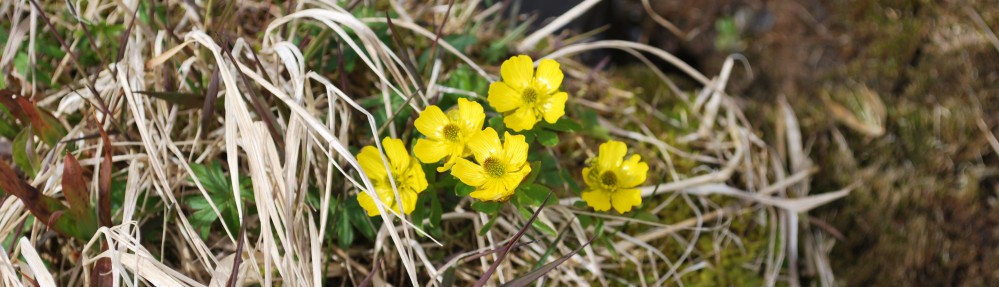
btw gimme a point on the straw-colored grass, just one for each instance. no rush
(705, 156)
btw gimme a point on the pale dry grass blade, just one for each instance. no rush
(38, 269)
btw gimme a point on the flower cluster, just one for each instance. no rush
(496, 166)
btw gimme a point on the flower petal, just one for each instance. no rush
(515, 147)
(598, 199)
(408, 201)
(517, 71)
(455, 152)
(522, 119)
(611, 154)
(624, 199)
(416, 180)
(554, 107)
(430, 151)
(468, 172)
(549, 75)
(371, 162)
(503, 98)
(470, 116)
(513, 179)
(493, 190)
(431, 121)
(589, 176)
(484, 144)
(396, 152)
(368, 204)
(633, 172)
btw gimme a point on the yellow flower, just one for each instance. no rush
(447, 135)
(408, 174)
(526, 97)
(500, 167)
(612, 180)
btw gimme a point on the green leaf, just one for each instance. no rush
(547, 138)
(344, 231)
(436, 210)
(535, 170)
(534, 194)
(24, 152)
(462, 189)
(419, 213)
(488, 226)
(359, 217)
(220, 191)
(497, 124)
(490, 207)
(537, 224)
(563, 125)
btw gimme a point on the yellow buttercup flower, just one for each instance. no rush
(612, 180)
(526, 97)
(447, 134)
(499, 168)
(408, 174)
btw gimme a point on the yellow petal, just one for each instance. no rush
(624, 199)
(549, 75)
(512, 179)
(470, 116)
(396, 152)
(492, 191)
(503, 98)
(484, 144)
(518, 71)
(430, 151)
(455, 152)
(408, 201)
(633, 172)
(417, 180)
(554, 107)
(515, 147)
(522, 119)
(431, 121)
(598, 199)
(611, 154)
(368, 204)
(468, 172)
(371, 162)
(590, 177)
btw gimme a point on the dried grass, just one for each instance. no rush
(730, 162)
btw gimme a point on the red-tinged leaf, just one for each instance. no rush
(45, 208)
(104, 181)
(74, 187)
(509, 245)
(212, 94)
(101, 275)
(531, 277)
(45, 125)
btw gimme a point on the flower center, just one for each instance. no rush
(608, 178)
(529, 95)
(494, 167)
(451, 132)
